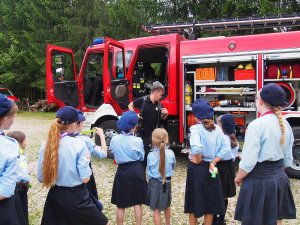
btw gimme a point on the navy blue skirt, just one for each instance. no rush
(91, 185)
(265, 195)
(8, 212)
(19, 206)
(71, 205)
(130, 185)
(227, 174)
(203, 194)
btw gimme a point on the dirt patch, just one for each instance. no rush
(36, 130)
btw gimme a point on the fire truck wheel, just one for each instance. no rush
(110, 129)
(294, 170)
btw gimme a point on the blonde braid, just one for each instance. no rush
(277, 112)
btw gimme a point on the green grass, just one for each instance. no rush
(37, 115)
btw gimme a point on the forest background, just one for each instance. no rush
(27, 26)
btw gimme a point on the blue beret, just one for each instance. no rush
(5, 105)
(128, 121)
(67, 115)
(228, 124)
(202, 109)
(81, 117)
(273, 94)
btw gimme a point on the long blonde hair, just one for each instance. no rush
(160, 139)
(277, 111)
(50, 163)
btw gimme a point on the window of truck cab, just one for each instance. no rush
(93, 78)
(119, 63)
(151, 65)
(62, 67)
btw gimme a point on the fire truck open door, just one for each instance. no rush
(115, 84)
(61, 78)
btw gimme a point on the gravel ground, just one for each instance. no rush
(36, 128)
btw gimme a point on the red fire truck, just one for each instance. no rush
(228, 71)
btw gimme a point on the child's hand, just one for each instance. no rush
(238, 181)
(99, 131)
(211, 167)
(164, 112)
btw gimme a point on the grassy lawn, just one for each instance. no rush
(36, 115)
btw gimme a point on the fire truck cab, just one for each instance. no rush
(228, 71)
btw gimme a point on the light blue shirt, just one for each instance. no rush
(208, 144)
(92, 147)
(23, 169)
(73, 162)
(153, 163)
(233, 151)
(127, 148)
(262, 142)
(9, 152)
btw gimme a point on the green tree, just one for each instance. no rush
(67, 23)
(27, 26)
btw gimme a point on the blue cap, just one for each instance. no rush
(202, 109)
(273, 94)
(128, 121)
(5, 105)
(228, 124)
(67, 115)
(81, 117)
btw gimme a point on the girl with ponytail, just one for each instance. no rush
(266, 152)
(203, 193)
(63, 166)
(160, 168)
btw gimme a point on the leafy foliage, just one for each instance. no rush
(26, 26)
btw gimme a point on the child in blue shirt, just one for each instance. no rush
(23, 171)
(226, 167)
(160, 168)
(265, 196)
(203, 194)
(9, 153)
(129, 188)
(100, 152)
(63, 166)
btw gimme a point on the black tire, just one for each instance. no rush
(110, 129)
(294, 170)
